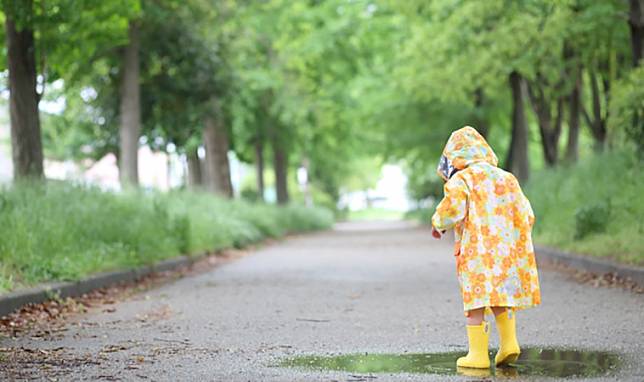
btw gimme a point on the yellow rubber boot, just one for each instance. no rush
(509, 346)
(477, 357)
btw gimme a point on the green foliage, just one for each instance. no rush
(336, 83)
(71, 34)
(572, 202)
(88, 126)
(365, 173)
(591, 219)
(627, 109)
(425, 185)
(182, 74)
(250, 194)
(63, 232)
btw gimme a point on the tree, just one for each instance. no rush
(330, 83)
(549, 117)
(24, 98)
(42, 46)
(216, 142)
(636, 22)
(471, 50)
(130, 109)
(574, 110)
(176, 74)
(280, 165)
(183, 89)
(601, 42)
(517, 160)
(195, 177)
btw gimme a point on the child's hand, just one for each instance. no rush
(437, 234)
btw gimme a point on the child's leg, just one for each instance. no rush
(508, 345)
(498, 310)
(477, 335)
(475, 316)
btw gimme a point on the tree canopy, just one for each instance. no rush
(337, 85)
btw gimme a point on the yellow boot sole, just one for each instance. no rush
(505, 359)
(472, 365)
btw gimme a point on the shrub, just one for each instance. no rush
(250, 194)
(627, 109)
(591, 219)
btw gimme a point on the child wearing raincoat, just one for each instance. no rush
(492, 222)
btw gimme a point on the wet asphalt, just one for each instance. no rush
(371, 287)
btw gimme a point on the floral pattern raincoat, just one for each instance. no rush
(492, 221)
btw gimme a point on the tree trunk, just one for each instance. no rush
(548, 143)
(195, 180)
(517, 159)
(130, 110)
(480, 122)
(217, 166)
(636, 23)
(280, 166)
(205, 177)
(574, 108)
(26, 143)
(597, 122)
(259, 167)
(550, 131)
(549, 123)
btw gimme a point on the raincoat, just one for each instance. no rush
(492, 221)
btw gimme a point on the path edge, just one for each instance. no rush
(13, 301)
(590, 264)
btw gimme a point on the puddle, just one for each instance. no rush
(560, 363)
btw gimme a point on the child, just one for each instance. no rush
(492, 221)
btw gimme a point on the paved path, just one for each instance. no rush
(364, 287)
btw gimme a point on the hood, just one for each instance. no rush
(464, 147)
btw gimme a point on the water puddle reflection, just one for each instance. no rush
(542, 362)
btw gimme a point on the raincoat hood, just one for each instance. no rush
(464, 147)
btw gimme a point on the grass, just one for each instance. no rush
(595, 207)
(375, 214)
(422, 215)
(59, 231)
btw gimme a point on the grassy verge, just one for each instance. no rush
(375, 214)
(595, 207)
(64, 232)
(421, 215)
